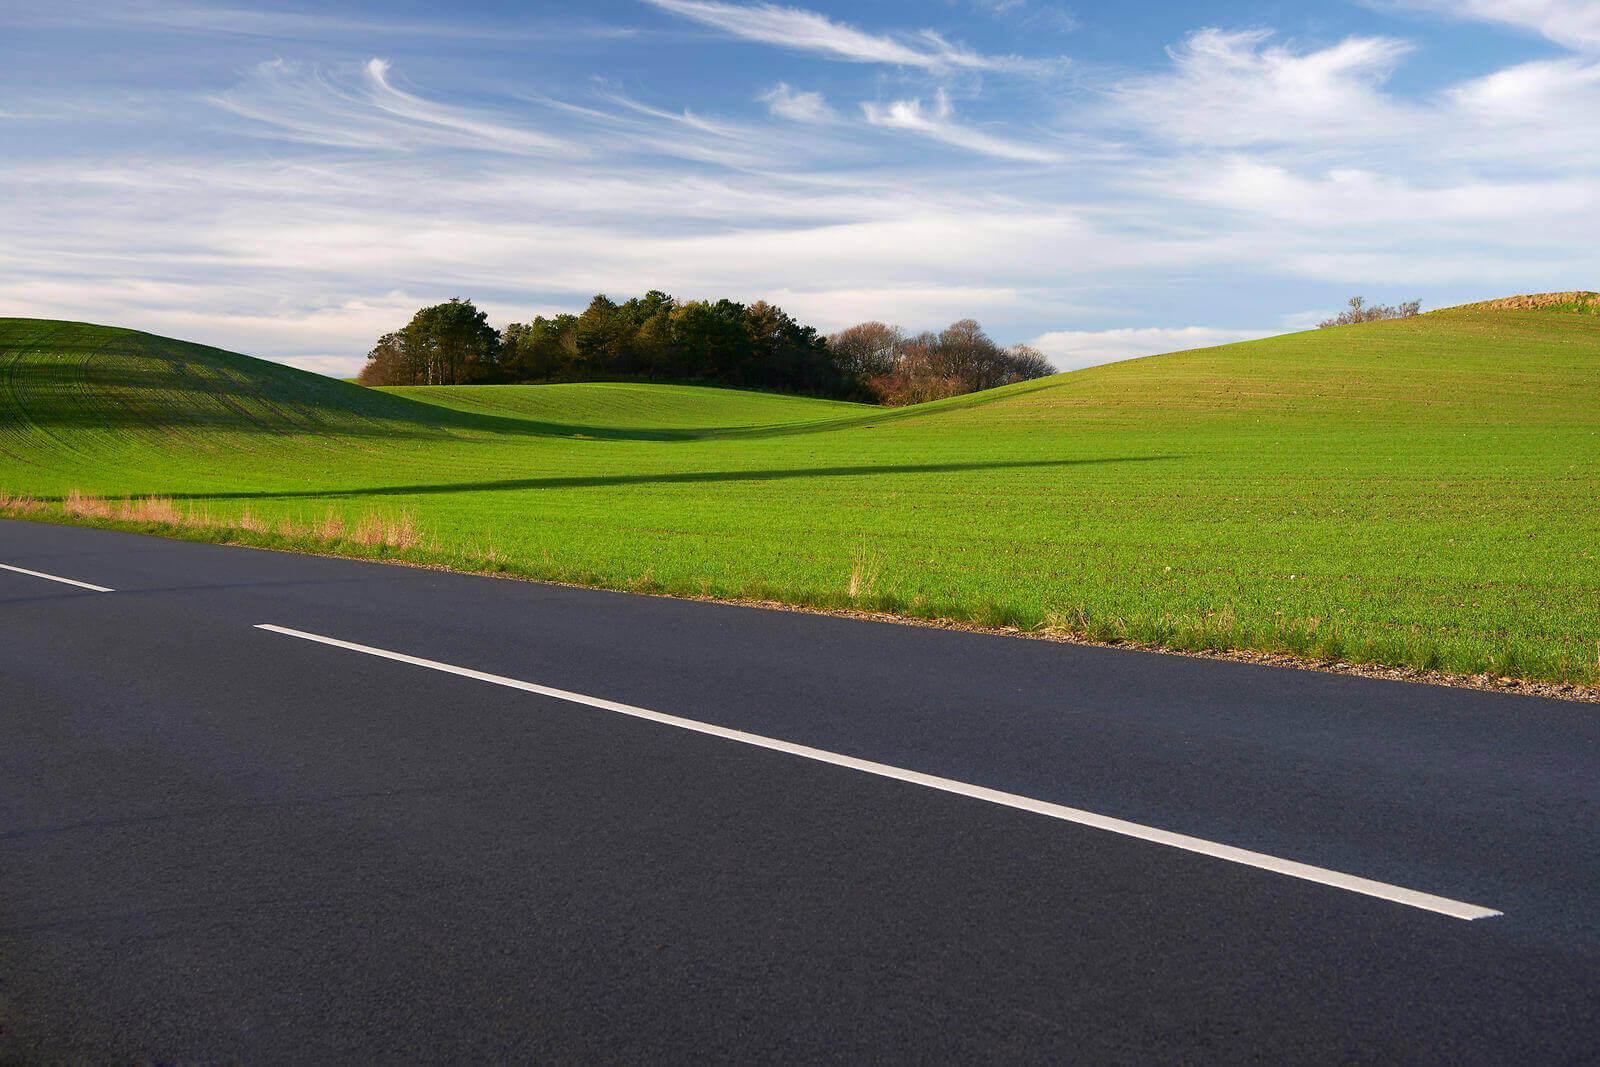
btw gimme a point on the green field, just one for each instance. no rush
(1420, 492)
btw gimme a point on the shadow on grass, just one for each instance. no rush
(662, 478)
(164, 392)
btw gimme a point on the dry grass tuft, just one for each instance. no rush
(372, 530)
(863, 572)
(88, 507)
(331, 528)
(18, 505)
(158, 509)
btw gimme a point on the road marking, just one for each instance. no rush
(1291, 868)
(56, 578)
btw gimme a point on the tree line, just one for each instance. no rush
(656, 338)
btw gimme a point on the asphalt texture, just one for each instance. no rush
(223, 844)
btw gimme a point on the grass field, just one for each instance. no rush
(1421, 492)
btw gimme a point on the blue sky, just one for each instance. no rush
(1103, 180)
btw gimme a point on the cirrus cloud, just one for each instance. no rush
(938, 122)
(371, 112)
(1571, 23)
(800, 30)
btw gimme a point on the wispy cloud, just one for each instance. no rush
(808, 31)
(1333, 199)
(1238, 92)
(1571, 23)
(242, 21)
(1236, 88)
(797, 106)
(1556, 102)
(684, 118)
(1032, 14)
(938, 122)
(618, 124)
(312, 106)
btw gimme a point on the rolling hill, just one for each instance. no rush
(1417, 492)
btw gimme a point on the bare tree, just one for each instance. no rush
(868, 350)
(1028, 363)
(961, 358)
(1359, 311)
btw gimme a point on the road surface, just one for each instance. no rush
(278, 808)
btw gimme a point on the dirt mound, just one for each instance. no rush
(1578, 300)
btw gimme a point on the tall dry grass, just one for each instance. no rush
(374, 528)
(370, 529)
(12, 504)
(863, 572)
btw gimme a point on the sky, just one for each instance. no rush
(1100, 180)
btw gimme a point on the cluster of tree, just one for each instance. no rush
(1360, 311)
(961, 358)
(446, 344)
(654, 337)
(648, 337)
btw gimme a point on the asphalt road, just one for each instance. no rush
(219, 842)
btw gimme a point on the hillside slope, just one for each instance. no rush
(1416, 492)
(613, 409)
(78, 374)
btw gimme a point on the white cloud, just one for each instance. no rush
(808, 31)
(1234, 89)
(1541, 111)
(917, 307)
(1296, 321)
(219, 21)
(1073, 349)
(633, 128)
(221, 314)
(332, 366)
(1237, 93)
(1571, 23)
(1327, 174)
(795, 106)
(685, 117)
(311, 106)
(938, 123)
(1031, 14)
(1347, 197)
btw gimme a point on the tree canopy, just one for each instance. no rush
(655, 337)
(446, 344)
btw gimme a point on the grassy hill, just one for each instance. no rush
(636, 410)
(1417, 492)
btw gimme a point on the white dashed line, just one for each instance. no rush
(56, 578)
